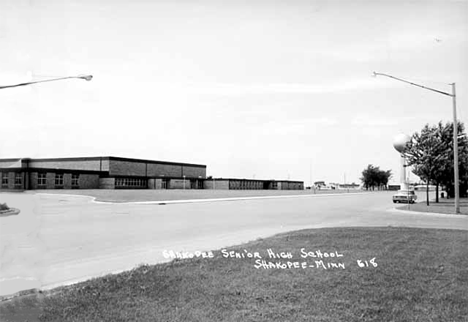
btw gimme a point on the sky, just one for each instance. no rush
(253, 89)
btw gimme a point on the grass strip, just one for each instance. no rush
(421, 275)
(166, 195)
(444, 206)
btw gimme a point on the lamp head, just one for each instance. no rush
(86, 77)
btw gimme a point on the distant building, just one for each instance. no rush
(119, 173)
(319, 184)
(348, 186)
(252, 184)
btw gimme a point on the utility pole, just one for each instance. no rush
(455, 151)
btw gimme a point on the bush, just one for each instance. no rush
(3, 206)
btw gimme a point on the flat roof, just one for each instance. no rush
(107, 158)
(54, 170)
(260, 180)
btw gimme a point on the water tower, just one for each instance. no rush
(399, 143)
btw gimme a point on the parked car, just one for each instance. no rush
(405, 196)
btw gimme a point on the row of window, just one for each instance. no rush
(136, 182)
(18, 178)
(293, 187)
(246, 185)
(42, 179)
(130, 182)
(258, 185)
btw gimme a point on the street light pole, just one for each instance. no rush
(455, 132)
(455, 150)
(85, 77)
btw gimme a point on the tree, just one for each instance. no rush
(447, 178)
(426, 153)
(383, 177)
(431, 155)
(374, 177)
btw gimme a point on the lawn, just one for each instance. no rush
(118, 195)
(444, 206)
(407, 275)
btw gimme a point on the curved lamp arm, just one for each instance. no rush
(85, 77)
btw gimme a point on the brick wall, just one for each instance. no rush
(194, 172)
(84, 164)
(168, 170)
(127, 168)
(179, 184)
(50, 180)
(217, 184)
(89, 181)
(67, 181)
(107, 183)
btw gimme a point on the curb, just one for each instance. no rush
(438, 214)
(164, 202)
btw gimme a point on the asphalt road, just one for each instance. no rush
(58, 240)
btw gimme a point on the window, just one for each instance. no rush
(5, 179)
(75, 179)
(41, 179)
(18, 179)
(130, 183)
(58, 179)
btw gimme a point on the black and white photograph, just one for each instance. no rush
(234, 160)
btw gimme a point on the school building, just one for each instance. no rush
(120, 173)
